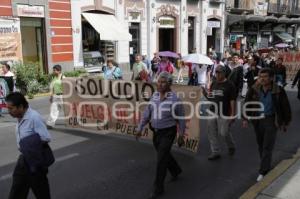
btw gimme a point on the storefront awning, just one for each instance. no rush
(295, 20)
(286, 37)
(108, 27)
(271, 19)
(283, 19)
(255, 18)
(232, 19)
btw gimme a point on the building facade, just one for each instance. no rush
(42, 32)
(72, 32)
(261, 23)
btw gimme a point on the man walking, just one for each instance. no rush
(164, 124)
(222, 95)
(275, 113)
(237, 74)
(56, 99)
(25, 176)
(139, 69)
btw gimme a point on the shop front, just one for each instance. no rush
(213, 35)
(100, 33)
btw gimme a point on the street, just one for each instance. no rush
(94, 166)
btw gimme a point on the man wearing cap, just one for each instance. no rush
(222, 96)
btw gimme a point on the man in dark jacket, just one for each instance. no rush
(274, 112)
(236, 75)
(297, 81)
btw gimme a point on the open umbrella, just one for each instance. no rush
(197, 58)
(282, 45)
(168, 54)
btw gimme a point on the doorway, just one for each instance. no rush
(167, 39)
(33, 42)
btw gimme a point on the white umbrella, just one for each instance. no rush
(197, 58)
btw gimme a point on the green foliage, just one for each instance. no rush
(29, 79)
(75, 73)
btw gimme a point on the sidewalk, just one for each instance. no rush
(281, 183)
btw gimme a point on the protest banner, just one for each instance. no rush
(291, 60)
(117, 106)
(10, 39)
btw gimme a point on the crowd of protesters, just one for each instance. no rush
(256, 77)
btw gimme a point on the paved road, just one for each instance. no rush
(93, 166)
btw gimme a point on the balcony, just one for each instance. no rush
(217, 1)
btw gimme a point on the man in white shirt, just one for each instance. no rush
(203, 74)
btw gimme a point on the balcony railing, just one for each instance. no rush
(217, 1)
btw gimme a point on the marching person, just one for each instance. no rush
(237, 74)
(280, 72)
(164, 126)
(275, 113)
(222, 94)
(56, 99)
(165, 65)
(25, 176)
(297, 81)
(154, 65)
(111, 71)
(140, 71)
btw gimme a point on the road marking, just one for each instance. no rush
(6, 177)
(7, 124)
(66, 157)
(60, 159)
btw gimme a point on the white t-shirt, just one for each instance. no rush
(201, 72)
(9, 74)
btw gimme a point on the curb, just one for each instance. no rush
(39, 95)
(257, 188)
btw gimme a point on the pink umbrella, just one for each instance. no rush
(168, 54)
(282, 45)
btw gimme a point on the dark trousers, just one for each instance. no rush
(266, 132)
(163, 141)
(23, 180)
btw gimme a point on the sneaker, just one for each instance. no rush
(231, 151)
(213, 156)
(181, 81)
(260, 177)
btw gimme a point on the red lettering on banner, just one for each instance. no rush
(88, 111)
(288, 57)
(74, 108)
(297, 57)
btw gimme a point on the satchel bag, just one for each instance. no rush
(37, 153)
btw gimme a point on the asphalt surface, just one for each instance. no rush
(94, 166)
